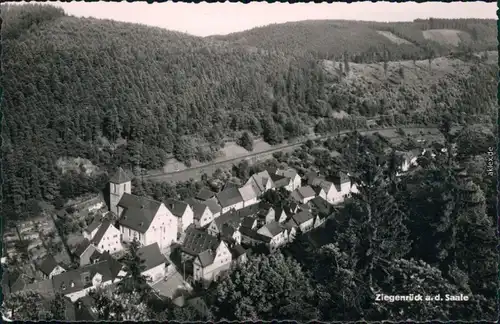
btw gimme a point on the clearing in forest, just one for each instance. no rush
(444, 36)
(393, 38)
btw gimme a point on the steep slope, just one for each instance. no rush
(124, 94)
(367, 42)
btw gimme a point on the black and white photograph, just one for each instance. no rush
(215, 162)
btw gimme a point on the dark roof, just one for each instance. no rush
(248, 222)
(227, 230)
(114, 265)
(206, 258)
(100, 232)
(274, 228)
(245, 231)
(325, 185)
(205, 194)
(279, 181)
(302, 217)
(81, 247)
(317, 189)
(197, 241)
(289, 224)
(120, 176)
(178, 208)
(138, 212)
(305, 192)
(321, 205)
(229, 197)
(152, 256)
(95, 224)
(44, 288)
(235, 217)
(95, 256)
(237, 251)
(73, 280)
(310, 175)
(198, 209)
(213, 205)
(48, 264)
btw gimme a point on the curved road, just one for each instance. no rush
(196, 172)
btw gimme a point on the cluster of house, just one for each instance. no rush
(210, 228)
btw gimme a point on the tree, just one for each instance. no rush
(116, 305)
(26, 305)
(422, 279)
(265, 288)
(279, 198)
(246, 141)
(134, 281)
(377, 230)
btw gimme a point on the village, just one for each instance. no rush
(183, 243)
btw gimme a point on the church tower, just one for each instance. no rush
(119, 184)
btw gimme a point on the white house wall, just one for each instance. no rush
(110, 241)
(155, 273)
(163, 229)
(206, 218)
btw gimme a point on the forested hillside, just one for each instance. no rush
(130, 95)
(368, 42)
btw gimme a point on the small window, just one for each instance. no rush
(125, 187)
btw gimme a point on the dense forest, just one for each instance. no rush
(331, 39)
(429, 232)
(130, 95)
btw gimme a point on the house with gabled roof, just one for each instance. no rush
(330, 192)
(83, 251)
(147, 220)
(280, 181)
(208, 256)
(250, 194)
(91, 230)
(262, 181)
(230, 198)
(276, 215)
(205, 194)
(295, 181)
(344, 187)
(49, 267)
(107, 238)
(304, 220)
(77, 283)
(182, 211)
(303, 194)
(202, 215)
(214, 206)
(277, 233)
(156, 265)
(232, 218)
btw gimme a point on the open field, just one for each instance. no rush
(393, 38)
(444, 36)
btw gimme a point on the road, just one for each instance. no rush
(196, 172)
